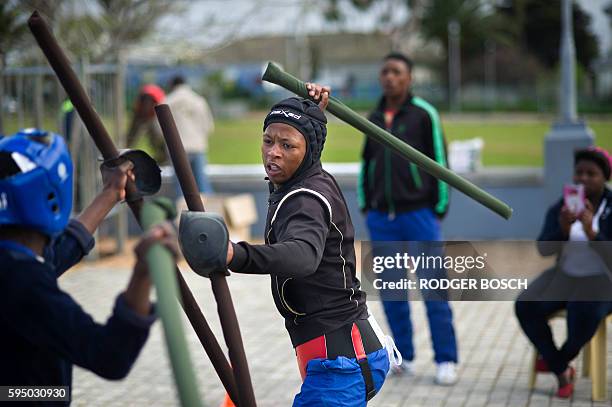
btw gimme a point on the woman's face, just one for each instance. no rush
(282, 150)
(589, 174)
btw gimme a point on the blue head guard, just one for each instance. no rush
(35, 181)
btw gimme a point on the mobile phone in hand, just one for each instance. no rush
(574, 198)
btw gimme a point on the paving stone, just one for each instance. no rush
(494, 354)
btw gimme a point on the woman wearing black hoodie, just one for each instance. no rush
(309, 255)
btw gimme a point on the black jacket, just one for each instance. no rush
(309, 255)
(390, 183)
(44, 331)
(553, 236)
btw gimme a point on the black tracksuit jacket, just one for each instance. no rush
(390, 183)
(309, 255)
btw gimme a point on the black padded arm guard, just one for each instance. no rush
(204, 239)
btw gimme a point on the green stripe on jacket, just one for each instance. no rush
(361, 200)
(439, 154)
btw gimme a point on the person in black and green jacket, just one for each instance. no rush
(403, 203)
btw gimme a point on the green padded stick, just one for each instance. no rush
(162, 270)
(275, 74)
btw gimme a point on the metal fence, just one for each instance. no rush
(33, 97)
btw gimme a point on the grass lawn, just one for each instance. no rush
(506, 144)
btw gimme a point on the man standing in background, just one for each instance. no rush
(403, 203)
(195, 123)
(144, 119)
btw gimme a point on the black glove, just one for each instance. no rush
(204, 239)
(146, 171)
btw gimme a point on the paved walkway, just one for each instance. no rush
(493, 369)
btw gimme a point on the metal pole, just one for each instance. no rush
(454, 65)
(87, 163)
(59, 114)
(301, 43)
(19, 78)
(567, 91)
(119, 87)
(38, 101)
(568, 133)
(2, 95)
(490, 73)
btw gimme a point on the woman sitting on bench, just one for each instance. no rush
(575, 230)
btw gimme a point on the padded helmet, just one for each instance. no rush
(306, 117)
(35, 181)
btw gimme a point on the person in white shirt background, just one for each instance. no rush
(195, 123)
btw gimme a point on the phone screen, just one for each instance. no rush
(573, 196)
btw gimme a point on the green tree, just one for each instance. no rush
(477, 23)
(536, 26)
(126, 22)
(12, 32)
(430, 20)
(97, 29)
(400, 31)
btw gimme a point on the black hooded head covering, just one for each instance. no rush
(598, 155)
(306, 117)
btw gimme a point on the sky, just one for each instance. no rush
(215, 23)
(600, 22)
(257, 17)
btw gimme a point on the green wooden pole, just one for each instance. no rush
(275, 74)
(162, 270)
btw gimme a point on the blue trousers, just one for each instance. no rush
(583, 318)
(339, 382)
(198, 163)
(416, 227)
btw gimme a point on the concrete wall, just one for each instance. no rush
(521, 188)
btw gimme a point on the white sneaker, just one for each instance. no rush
(446, 373)
(406, 368)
